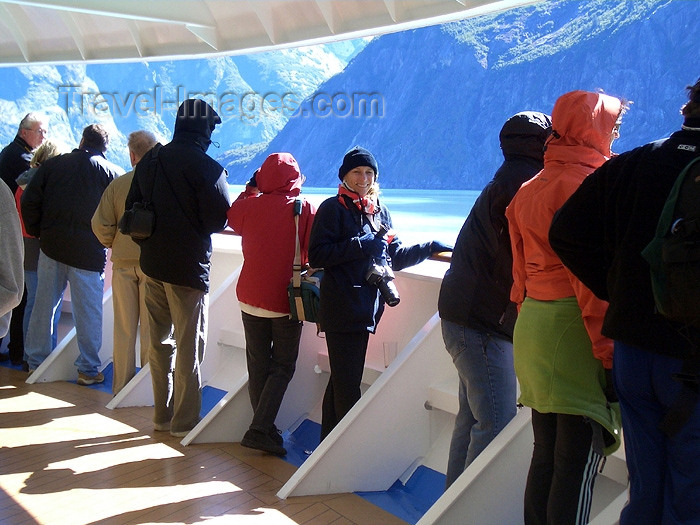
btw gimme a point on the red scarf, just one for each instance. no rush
(365, 204)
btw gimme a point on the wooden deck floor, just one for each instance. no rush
(66, 459)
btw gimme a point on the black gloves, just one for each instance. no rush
(372, 246)
(437, 247)
(609, 391)
(252, 182)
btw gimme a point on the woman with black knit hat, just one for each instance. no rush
(349, 240)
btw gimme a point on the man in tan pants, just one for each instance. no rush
(190, 198)
(128, 280)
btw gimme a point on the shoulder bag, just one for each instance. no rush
(304, 290)
(140, 221)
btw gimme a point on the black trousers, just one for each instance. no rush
(15, 348)
(563, 469)
(346, 353)
(272, 348)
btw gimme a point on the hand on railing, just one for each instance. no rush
(440, 251)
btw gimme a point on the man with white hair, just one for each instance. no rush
(128, 280)
(15, 157)
(14, 160)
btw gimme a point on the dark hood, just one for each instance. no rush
(524, 134)
(196, 119)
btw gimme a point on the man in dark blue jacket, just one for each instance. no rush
(15, 157)
(190, 196)
(476, 314)
(14, 160)
(57, 207)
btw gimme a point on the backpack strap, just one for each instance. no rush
(296, 266)
(652, 253)
(149, 181)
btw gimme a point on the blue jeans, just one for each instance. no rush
(31, 279)
(487, 392)
(86, 299)
(664, 471)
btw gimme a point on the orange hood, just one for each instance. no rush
(582, 126)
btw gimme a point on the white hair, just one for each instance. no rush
(30, 119)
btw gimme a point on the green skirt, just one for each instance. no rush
(556, 368)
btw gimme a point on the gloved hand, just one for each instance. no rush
(252, 182)
(372, 246)
(609, 391)
(437, 247)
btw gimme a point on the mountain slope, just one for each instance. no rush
(145, 95)
(447, 90)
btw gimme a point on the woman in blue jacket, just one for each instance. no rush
(358, 259)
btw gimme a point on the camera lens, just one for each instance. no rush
(389, 292)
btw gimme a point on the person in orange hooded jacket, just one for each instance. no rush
(560, 355)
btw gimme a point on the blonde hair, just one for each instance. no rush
(47, 150)
(373, 192)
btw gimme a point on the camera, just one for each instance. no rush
(381, 275)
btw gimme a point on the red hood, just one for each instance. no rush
(280, 175)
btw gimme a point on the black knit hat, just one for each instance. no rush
(357, 156)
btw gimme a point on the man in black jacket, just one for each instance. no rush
(14, 160)
(190, 196)
(599, 235)
(15, 157)
(476, 314)
(57, 207)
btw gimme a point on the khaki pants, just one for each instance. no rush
(178, 326)
(130, 319)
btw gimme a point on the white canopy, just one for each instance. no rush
(64, 31)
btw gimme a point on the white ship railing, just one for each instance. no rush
(403, 420)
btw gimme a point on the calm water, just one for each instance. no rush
(418, 215)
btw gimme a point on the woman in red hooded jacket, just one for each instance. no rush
(264, 217)
(559, 354)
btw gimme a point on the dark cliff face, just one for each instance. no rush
(447, 90)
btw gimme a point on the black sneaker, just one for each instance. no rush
(262, 441)
(276, 435)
